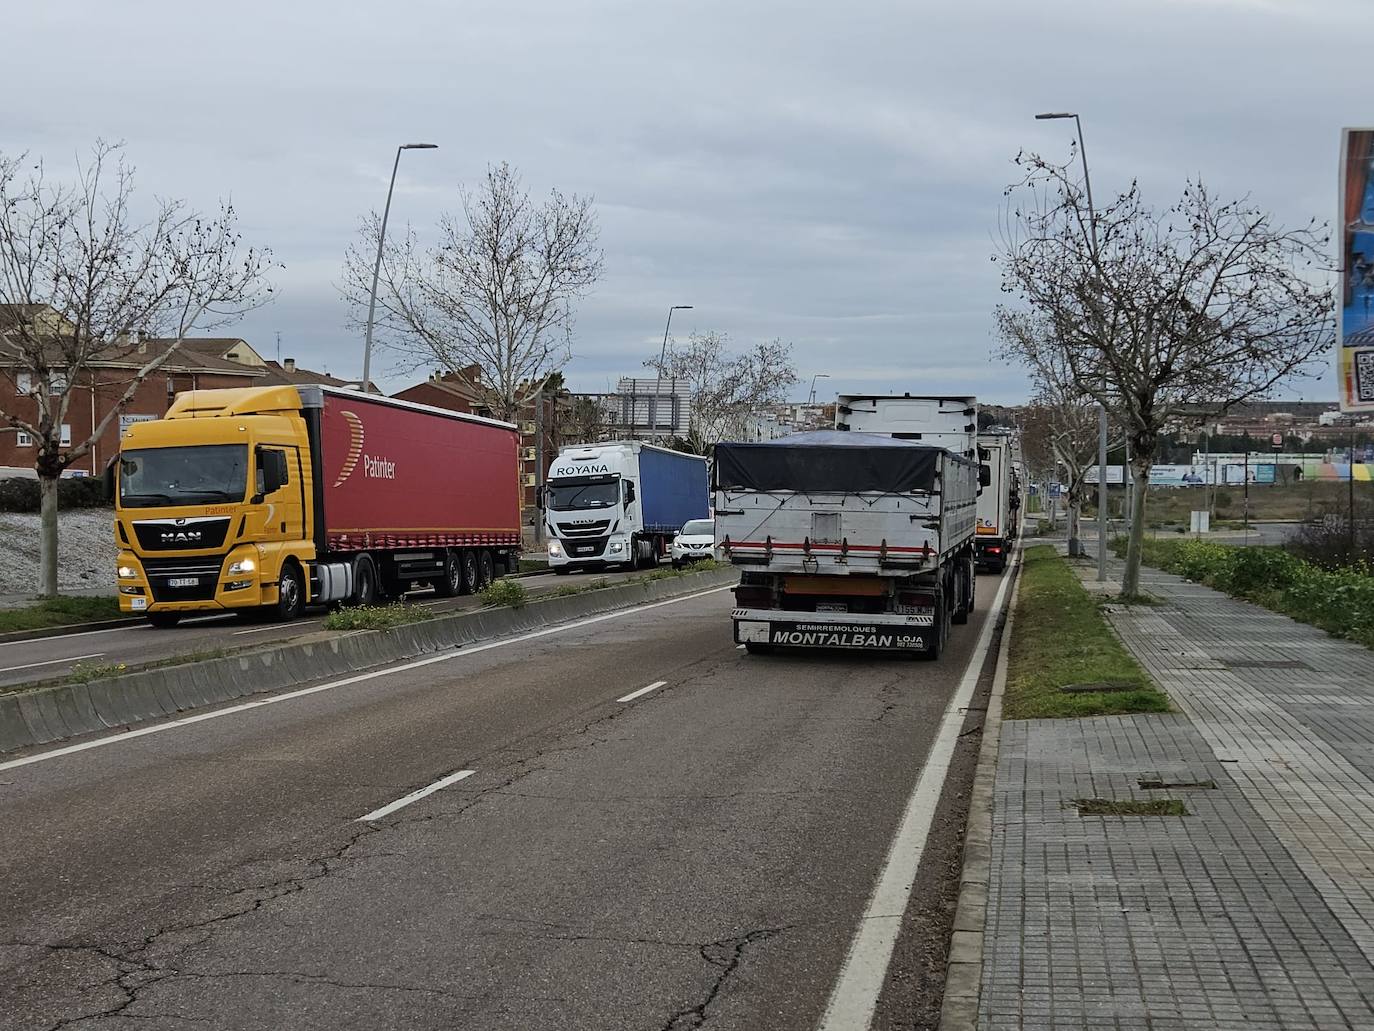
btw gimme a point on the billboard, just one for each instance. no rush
(1355, 311)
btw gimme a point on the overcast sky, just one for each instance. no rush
(830, 174)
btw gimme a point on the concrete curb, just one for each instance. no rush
(964, 969)
(39, 633)
(52, 713)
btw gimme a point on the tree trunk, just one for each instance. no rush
(1130, 580)
(47, 540)
(1075, 546)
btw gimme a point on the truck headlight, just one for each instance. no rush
(127, 572)
(617, 546)
(243, 565)
(555, 549)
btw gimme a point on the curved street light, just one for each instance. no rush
(662, 354)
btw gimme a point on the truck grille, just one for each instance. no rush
(585, 549)
(589, 529)
(205, 571)
(181, 534)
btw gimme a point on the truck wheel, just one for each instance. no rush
(450, 585)
(364, 581)
(486, 569)
(467, 563)
(941, 630)
(290, 593)
(164, 620)
(966, 591)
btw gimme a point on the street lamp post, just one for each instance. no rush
(1101, 408)
(819, 375)
(662, 354)
(377, 268)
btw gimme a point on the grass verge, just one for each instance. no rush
(59, 612)
(1060, 639)
(376, 617)
(1339, 601)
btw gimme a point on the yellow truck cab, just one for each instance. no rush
(214, 506)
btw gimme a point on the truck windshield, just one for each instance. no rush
(183, 475)
(569, 497)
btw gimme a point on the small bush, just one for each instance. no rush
(597, 584)
(509, 593)
(21, 493)
(376, 617)
(85, 672)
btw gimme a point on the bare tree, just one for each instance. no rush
(81, 276)
(496, 290)
(1062, 415)
(1153, 311)
(725, 388)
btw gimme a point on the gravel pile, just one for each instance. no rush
(85, 551)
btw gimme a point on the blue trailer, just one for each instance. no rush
(620, 504)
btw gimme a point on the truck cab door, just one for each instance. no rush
(278, 486)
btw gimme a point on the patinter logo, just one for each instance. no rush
(379, 468)
(374, 466)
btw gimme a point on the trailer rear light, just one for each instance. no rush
(994, 551)
(753, 597)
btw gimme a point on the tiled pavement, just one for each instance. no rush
(1254, 911)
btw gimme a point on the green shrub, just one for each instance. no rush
(376, 617)
(21, 493)
(505, 592)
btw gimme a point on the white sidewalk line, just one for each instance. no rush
(856, 991)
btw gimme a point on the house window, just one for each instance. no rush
(66, 440)
(57, 383)
(22, 439)
(23, 383)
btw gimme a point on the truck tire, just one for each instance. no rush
(164, 620)
(450, 585)
(290, 593)
(941, 630)
(965, 579)
(486, 569)
(467, 563)
(364, 581)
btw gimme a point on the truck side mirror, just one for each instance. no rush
(629, 491)
(273, 466)
(985, 476)
(107, 482)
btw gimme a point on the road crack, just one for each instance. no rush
(725, 954)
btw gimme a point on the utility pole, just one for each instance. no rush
(539, 463)
(1351, 489)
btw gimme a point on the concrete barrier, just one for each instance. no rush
(51, 713)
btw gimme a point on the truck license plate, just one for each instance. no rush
(183, 581)
(832, 606)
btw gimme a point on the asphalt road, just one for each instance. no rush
(50, 658)
(659, 831)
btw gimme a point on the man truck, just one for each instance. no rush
(847, 540)
(620, 504)
(999, 505)
(280, 497)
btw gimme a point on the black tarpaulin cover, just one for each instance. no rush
(828, 461)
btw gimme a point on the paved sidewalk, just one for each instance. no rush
(1256, 910)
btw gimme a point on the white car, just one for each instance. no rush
(696, 540)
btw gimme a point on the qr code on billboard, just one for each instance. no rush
(1364, 375)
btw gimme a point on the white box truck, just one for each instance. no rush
(999, 504)
(620, 503)
(847, 540)
(937, 421)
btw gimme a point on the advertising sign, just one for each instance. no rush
(126, 420)
(1355, 312)
(1116, 475)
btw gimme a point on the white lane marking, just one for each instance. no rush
(415, 796)
(51, 662)
(642, 691)
(359, 678)
(739, 647)
(68, 637)
(855, 994)
(275, 626)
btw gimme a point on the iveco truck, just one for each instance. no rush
(279, 497)
(620, 504)
(847, 540)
